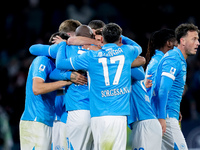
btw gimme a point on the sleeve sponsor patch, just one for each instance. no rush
(42, 67)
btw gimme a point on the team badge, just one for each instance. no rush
(173, 70)
(42, 67)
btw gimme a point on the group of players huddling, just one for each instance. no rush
(88, 84)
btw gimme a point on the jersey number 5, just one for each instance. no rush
(119, 58)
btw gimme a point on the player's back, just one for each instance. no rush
(110, 79)
(77, 96)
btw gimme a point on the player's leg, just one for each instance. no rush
(55, 135)
(143, 131)
(43, 135)
(79, 132)
(109, 132)
(26, 139)
(59, 138)
(173, 139)
(35, 135)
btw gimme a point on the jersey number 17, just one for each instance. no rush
(119, 58)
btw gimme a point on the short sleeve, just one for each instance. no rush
(41, 67)
(170, 68)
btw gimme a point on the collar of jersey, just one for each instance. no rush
(180, 53)
(158, 52)
(109, 45)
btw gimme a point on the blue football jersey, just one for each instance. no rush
(77, 96)
(140, 106)
(39, 108)
(172, 65)
(151, 70)
(59, 107)
(109, 71)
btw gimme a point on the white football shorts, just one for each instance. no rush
(109, 132)
(146, 135)
(79, 134)
(35, 135)
(173, 139)
(59, 137)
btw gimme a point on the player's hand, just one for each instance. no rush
(148, 83)
(163, 125)
(57, 40)
(78, 78)
(98, 43)
(180, 117)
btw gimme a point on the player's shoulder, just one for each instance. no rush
(129, 49)
(171, 54)
(125, 46)
(42, 58)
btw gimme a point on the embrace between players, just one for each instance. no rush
(108, 89)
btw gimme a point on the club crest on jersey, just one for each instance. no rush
(42, 67)
(173, 70)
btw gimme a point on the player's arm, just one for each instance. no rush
(40, 87)
(80, 40)
(170, 68)
(62, 62)
(80, 62)
(57, 74)
(44, 50)
(128, 41)
(74, 76)
(137, 73)
(165, 86)
(139, 61)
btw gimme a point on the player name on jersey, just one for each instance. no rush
(110, 52)
(115, 92)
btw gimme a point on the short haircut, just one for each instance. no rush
(69, 25)
(111, 33)
(183, 29)
(96, 24)
(84, 31)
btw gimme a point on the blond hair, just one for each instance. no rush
(69, 25)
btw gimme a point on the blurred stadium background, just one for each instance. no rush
(33, 21)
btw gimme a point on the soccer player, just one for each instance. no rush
(160, 42)
(69, 26)
(77, 102)
(38, 116)
(109, 72)
(66, 27)
(94, 25)
(170, 81)
(142, 120)
(59, 137)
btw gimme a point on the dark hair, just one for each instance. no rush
(182, 30)
(63, 35)
(158, 40)
(96, 24)
(98, 32)
(111, 33)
